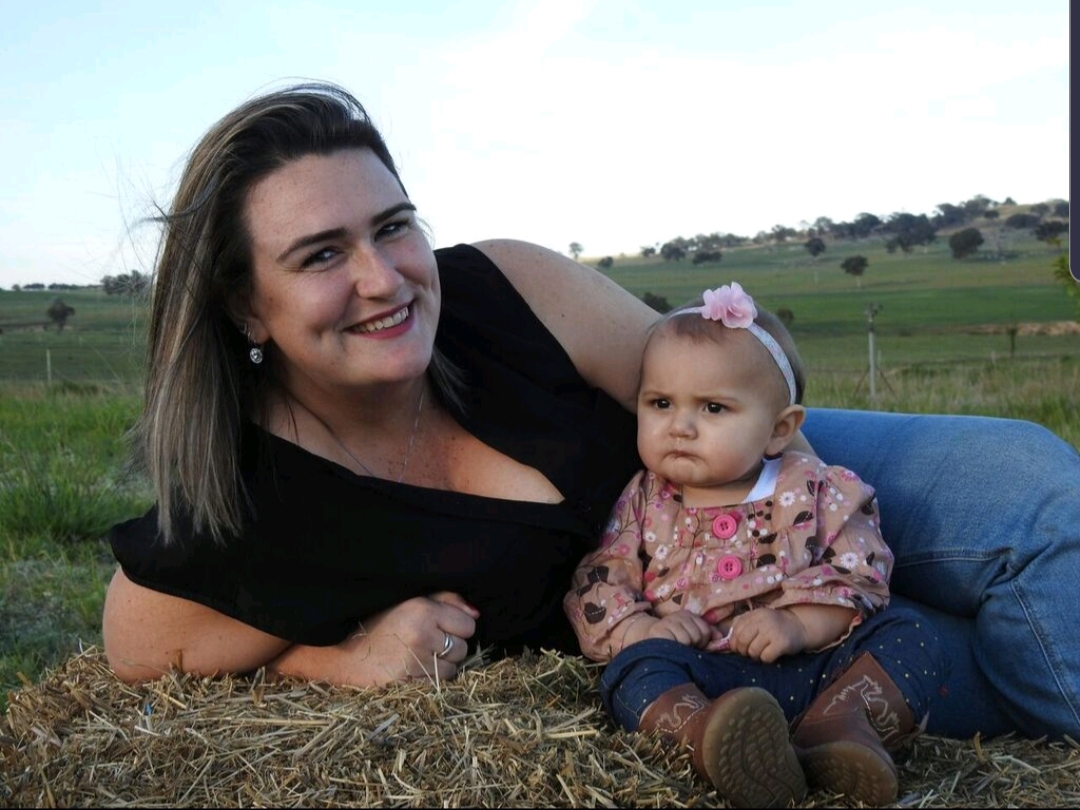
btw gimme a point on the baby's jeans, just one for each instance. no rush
(905, 645)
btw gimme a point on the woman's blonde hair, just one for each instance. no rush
(200, 384)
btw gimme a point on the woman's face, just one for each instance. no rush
(345, 286)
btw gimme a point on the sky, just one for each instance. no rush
(612, 123)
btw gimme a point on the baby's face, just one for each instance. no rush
(706, 410)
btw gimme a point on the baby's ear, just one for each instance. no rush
(785, 428)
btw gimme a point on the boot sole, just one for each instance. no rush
(851, 769)
(747, 753)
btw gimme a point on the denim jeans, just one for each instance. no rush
(983, 516)
(906, 646)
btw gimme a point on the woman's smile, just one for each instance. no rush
(384, 326)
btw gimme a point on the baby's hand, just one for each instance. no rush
(684, 627)
(765, 634)
(720, 641)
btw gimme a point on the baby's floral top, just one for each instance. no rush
(815, 539)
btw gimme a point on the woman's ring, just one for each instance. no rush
(448, 645)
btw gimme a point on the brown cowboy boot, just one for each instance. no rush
(846, 735)
(740, 742)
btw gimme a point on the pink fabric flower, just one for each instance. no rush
(731, 305)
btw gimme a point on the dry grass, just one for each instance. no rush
(522, 732)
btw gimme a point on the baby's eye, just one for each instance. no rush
(661, 404)
(714, 407)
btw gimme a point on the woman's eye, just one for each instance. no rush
(714, 407)
(395, 227)
(319, 257)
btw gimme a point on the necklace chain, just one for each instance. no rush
(363, 466)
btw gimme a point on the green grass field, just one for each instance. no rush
(61, 487)
(930, 304)
(61, 444)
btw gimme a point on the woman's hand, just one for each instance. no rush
(405, 641)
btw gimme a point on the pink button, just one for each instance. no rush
(724, 526)
(729, 566)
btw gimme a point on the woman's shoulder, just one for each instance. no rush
(599, 325)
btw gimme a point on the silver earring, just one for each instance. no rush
(255, 352)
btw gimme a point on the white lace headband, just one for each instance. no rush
(733, 307)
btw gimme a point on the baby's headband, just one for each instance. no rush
(735, 309)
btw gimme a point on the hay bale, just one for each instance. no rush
(522, 732)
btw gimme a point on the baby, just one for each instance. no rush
(741, 585)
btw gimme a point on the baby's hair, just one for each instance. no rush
(685, 322)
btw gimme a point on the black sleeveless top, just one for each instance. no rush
(323, 548)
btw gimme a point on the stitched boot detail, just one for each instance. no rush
(845, 737)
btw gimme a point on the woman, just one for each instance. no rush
(370, 457)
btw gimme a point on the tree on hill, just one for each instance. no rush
(855, 266)
(706, 256)
(978, 204)
(786, 316)
(707, 241)
(781, 233)
(950, 216)
(576, 249)
(605, 262)
(815, 246)
(657, 302)
(1051, 231)
(1061, 209)
(909, 231)
(1021, 221)
(964, 243)
(648, 251)
(133, 283)
(59, 312)
(672, 251)
(865, 224)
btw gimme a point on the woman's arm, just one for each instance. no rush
(147, 633)
(599, 324)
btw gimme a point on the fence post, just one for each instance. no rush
(48, 366)
(871, 369)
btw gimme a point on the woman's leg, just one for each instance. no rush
(983, 516)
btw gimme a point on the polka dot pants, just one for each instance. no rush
(903, 643)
